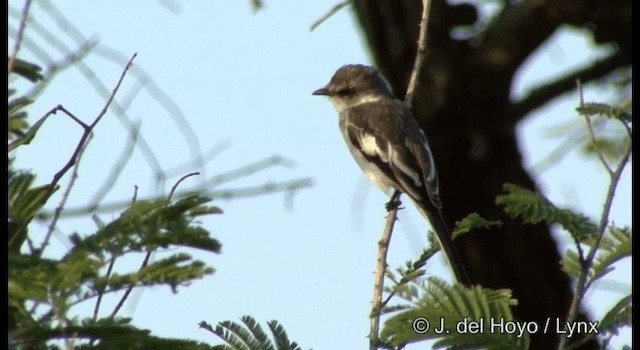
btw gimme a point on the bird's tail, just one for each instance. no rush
(434, 216)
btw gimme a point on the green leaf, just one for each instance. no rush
(17, 117)
(619, 316)
(473, 221)
(571, 264)
(174, 270)
(590, 109)
(148, 225)
(27, 70)
(250, 335)
(25, 202)
(614, 246)
(610, 147)
(533, 208)
(456, 306)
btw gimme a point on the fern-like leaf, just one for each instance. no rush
(591, 109)
(533, 208)
(250, 335)
(456, 306)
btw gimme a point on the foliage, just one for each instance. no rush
(597, 248)
(456, 307)
(44, 290)
(250, 335)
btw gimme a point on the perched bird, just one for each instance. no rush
(387, 143)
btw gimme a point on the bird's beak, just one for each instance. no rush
(321, 92)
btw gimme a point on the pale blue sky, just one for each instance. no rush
(247, 79)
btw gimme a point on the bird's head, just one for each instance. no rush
(355, 84)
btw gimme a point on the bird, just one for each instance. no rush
(390, 147)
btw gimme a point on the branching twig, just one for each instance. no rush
(383, 244)
(90, 75)
(602, 227)
(147, 257)
(19, 35)
(63, 202)
(87, 129)
(337, 7)
(112, 262)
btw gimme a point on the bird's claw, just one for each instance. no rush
(393, 204)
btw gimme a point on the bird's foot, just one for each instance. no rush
(394, 203)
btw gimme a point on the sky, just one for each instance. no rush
(244, 81)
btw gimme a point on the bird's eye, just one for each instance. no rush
(343, 91)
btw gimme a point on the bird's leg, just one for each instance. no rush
(394, 202)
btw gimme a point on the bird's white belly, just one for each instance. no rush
(375, 175)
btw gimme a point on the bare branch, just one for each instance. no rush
(383, 244)
(63, 202)
(420, 55)
(88, 73)
(173, 189)
(381, 267)
(337, 7)
(87, 132)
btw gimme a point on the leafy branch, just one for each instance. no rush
(597, 246)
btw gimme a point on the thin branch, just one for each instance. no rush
(547, 92)
(18, 42)
(149, 253)
(420, 55)
(87, 132)
(68, 27)
(127, 292)
(581, 285)
(392, 206)
(164, 100)
(73, 117)
(381, 267)
(135, 194)
(96, 308)
(173, 189)
(63, 202)
(337, 7)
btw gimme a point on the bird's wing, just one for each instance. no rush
(387, 136)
